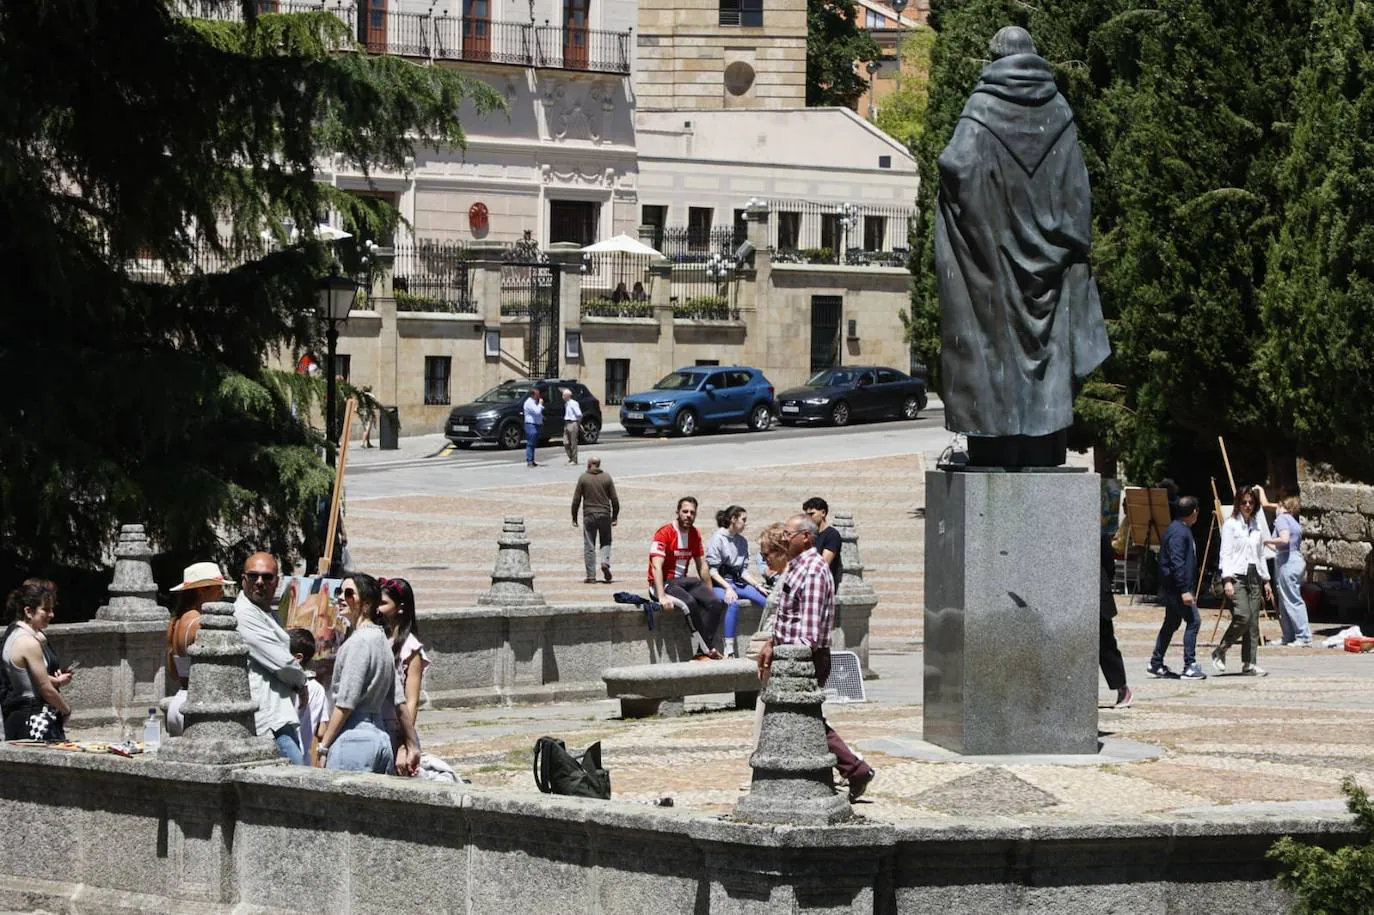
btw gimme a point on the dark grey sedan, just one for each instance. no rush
(846, 393)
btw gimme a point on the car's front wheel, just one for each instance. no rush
(911, 408)
(839, 414)
(686, 423)
(511, 436)
(591, 429)
(760, 418)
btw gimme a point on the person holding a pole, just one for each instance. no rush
(1245, 577)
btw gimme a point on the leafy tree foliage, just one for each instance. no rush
(130, 132)
(834, 42)
(901, 114)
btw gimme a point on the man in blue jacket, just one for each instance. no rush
(1177, 575)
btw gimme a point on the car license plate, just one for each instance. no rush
(457, 428)
(634, 414)
(791, 408)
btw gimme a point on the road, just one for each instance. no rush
(424, 466)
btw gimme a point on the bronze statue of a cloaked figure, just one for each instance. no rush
(1020, 319)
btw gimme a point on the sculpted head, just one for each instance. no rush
(1011, 40)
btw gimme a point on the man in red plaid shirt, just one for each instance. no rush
(804, 617)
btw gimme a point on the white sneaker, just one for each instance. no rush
(1219, 660)
(1254, 670)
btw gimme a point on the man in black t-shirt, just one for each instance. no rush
(827, 539)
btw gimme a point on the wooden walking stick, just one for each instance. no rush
(1216, 522)
(328, 558)
(1230, 477)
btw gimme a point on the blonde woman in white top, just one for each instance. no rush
(1245, 578)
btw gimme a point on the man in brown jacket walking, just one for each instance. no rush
(595, 493)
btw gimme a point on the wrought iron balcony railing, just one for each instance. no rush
(439, 36)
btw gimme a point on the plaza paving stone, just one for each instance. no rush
(1226, 740)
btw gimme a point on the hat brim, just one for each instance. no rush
(202, 583)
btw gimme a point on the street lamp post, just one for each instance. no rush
(847, 216)
(872, 68)
(335, 296)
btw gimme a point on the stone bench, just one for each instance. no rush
(661, 689)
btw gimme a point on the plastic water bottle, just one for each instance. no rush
(152, 732)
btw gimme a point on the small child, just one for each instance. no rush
(314, 710)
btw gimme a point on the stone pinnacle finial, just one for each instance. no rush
(512, 581)
(219, 705)
(133, 592)
(792, 763)
(854, 598)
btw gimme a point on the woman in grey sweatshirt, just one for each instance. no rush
(355, 739)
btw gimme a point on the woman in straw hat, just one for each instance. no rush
(201, 582)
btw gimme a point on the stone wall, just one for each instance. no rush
(86, 833)
(482, 656)
(1337, 524)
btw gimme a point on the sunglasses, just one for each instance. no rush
(260, 576)
(346, 594)
(790, 534)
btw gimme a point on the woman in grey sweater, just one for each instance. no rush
(356, 739)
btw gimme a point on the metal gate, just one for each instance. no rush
(531, 289)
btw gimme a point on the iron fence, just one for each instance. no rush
(803, 231)
(703, 267)
(201, 259)
(432, 276)
(439, 36)
(617, 285)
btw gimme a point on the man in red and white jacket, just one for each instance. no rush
(675, 547)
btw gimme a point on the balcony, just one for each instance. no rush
(440, 37)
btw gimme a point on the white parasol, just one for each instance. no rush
(621, 244)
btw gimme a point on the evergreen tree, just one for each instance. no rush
(1318, 356)
(834, 43)
(901, 115)
(130, 131)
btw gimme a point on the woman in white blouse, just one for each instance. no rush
(1245, 577)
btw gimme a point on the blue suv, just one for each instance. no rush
(703, 396)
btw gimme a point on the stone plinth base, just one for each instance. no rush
(1011, 617)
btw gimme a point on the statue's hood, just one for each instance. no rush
(1018, 102)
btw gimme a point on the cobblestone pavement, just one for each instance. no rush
(1227, 740)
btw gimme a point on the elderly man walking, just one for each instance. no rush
(572, 425)
(275, 678)
(804, 617)
(595, 494)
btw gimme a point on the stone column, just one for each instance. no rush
(661, 299)
(485, 264)
(133, 592)
(792, 764)
(855, 598)
(219, 707)
(512, 581)
(568, 255)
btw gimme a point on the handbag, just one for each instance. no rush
(556, 771)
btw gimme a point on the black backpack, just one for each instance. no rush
(556, 771)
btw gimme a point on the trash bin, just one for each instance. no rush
(391, 428)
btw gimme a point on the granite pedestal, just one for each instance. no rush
(1011, 615)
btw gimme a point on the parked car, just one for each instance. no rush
(496, 415)
(698, 397)
(846, 393)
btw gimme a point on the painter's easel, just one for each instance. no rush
(1147, 517)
